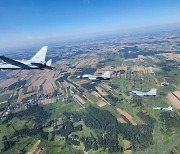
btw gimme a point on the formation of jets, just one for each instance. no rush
(36, 62)
(105, 76)
(152, 92)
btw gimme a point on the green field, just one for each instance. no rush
(66, 126)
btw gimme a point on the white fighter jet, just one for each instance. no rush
(152, 92)
(164, 109)
(36, 62)
(105, 76)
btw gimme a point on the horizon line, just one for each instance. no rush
(83, 37)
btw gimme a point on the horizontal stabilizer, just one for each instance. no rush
(152, 92)
(106, 75)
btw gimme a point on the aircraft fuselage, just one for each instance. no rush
(27, 65)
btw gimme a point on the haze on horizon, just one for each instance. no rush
(27, 22)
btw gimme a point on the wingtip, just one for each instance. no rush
(45, 46)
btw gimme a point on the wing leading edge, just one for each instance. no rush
(14, 62)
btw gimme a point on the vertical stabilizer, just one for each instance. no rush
(40, 55)
(107, 75)
(49, 62)
(152, 92)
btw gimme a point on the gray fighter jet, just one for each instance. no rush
(164, 109)
(152, 92)
(105, 76)
(36, 62)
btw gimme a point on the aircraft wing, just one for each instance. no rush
(13, 62)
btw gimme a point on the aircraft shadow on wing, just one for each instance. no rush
(36, 62)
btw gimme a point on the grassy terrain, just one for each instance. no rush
(58, 108)
(4, 97)
(163, 144)
(87, 132)
(25, 143)
(163, 141)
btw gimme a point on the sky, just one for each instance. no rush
(24, 22)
